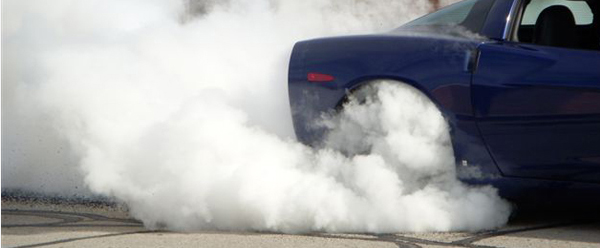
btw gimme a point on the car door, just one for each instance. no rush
(538, 107)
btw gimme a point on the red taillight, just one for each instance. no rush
(318, 77)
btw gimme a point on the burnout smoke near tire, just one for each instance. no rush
(188, 124)
(383, 114)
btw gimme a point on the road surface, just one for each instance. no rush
(42, 223)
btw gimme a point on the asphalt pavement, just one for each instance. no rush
(42, 223)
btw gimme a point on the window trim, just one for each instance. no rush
(512, 19)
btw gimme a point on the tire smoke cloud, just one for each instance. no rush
(183, 115)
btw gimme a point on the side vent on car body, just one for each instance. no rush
(471, 60)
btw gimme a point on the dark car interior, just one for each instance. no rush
(556, 25)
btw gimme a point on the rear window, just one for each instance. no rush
(453, 14)
(470, 14)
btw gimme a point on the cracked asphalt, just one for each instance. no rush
(35, 223)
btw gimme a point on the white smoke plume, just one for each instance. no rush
(183, 114)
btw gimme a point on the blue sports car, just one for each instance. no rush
(517, 80)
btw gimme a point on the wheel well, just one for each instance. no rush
(365, 82)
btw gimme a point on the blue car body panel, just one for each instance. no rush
(538, 109)
(526, 117)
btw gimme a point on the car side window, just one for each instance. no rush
(559, 23)
(580, 9)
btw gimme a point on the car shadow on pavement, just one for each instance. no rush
(580, 224)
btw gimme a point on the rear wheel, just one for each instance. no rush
(391, 117)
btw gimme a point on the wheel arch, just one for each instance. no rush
(363, 81)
